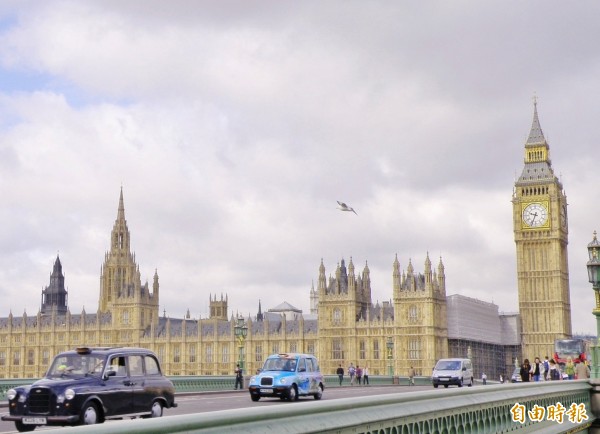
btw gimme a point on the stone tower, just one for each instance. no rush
(420, 316)
(218, 308)
(55, 296)
(541, 237)
(344, 301)
(132, 305)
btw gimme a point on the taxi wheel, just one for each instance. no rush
(446, 386)
(21, 427)
(90, 415)
(157, 409)
(292, 394)
(435, 386)
(254, 397)
(460, 383)
(319, 393)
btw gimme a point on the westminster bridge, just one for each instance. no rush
(544, 407)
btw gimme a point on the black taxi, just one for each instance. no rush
(88, 385)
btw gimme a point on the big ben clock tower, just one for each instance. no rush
(541, 237)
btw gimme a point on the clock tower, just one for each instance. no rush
(541, 237)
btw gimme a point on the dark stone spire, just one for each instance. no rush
(259, 315)
(55, 296)
(536, 136)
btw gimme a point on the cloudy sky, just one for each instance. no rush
(234, 126)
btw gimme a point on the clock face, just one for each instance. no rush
(535, 215)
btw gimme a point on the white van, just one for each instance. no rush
(452, 371)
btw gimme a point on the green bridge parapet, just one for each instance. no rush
(481, 409)
(210, 383)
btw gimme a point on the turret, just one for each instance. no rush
(366, 284)
(314, 299)
(396, 282)
(441, 276)
(322, 283)
(428, 272)
(351, 280)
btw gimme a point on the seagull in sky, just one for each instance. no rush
(342, 206)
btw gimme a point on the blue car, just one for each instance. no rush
(288, 376)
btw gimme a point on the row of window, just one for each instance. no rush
(30, 358)
(337, 350)
(176, 356)
(74, 337)
(534, 191)
(337, 315)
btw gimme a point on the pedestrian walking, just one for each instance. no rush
(239, 377)
(553, 371)
(366, 375)
(525, 371)
(411, 376)
(582, 371)
(340, 373)
(546, 369)
(484, 378)
(537, 369)
(359, 374)
(351, 373)
(570, 368)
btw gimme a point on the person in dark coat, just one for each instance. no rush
(340, 374)
(525, 370)
(239, 377)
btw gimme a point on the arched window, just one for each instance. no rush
(413, 314)
(337, 315)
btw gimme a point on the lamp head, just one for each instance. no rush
(593, 265)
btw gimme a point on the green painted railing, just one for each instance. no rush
(480, 409)
(209, 383)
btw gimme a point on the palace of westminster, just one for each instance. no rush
(419, 325)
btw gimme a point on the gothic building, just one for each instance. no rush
(390, 336)
(541, 237)
(410, 330)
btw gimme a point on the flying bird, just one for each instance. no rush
(343, 207)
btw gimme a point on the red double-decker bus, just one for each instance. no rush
(577, 349)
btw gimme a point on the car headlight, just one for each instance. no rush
(252, 379)
(283, 380)
(69, 394)
(11, 394)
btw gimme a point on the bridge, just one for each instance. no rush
(544, 407)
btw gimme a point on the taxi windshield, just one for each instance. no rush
(76, 365)
(280, 364)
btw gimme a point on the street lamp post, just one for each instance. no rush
(241, 331)
(390, 346)
(593, 267)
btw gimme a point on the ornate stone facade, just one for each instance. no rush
(347, 327)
